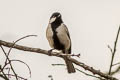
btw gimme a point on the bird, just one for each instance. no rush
(58, 37)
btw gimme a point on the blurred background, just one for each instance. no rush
(92, 24)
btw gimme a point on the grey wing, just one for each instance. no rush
(49, 36)
(69, 38)
(69, 50)
(64, 37)
(67, 31)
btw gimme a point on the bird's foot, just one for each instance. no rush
(50, 52)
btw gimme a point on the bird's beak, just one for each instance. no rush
(52, 19)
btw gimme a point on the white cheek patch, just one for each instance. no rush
(52, 19)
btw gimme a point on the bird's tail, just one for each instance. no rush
(70, 66)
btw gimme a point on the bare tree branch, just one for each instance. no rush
(5, 78)
(115, 71)
(9, 62)
(3, 74)
(19, 40)
(17, 76)
(14, 60)
(41, 51)
(114, 50)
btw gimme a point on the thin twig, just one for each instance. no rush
(9, 62)
(89, 74)
(115, 71)
(114, 51)
(116, 64)
(23, 63)
(8, 71)
(3, 76)
(79, 71)
(13, 46)
(17, 76)
(110, 48)
(7, 58)
(19, 40)
(16, 42)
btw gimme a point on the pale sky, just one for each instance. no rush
(92, 25)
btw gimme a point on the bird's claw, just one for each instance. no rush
(50, 52)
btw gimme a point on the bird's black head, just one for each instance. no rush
(56, 18)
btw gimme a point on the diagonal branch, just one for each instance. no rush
(45, 52)
(114, 50)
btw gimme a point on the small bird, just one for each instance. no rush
(58, 37)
